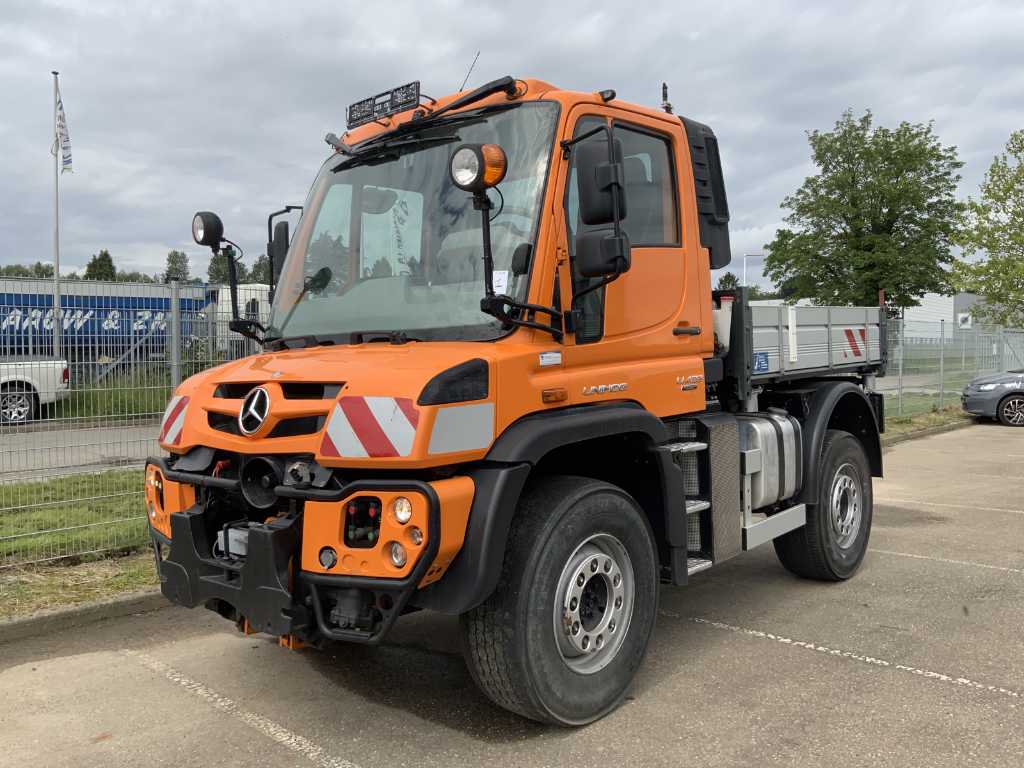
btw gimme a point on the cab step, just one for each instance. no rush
(693, 506)
(696, 565)
(685, 446)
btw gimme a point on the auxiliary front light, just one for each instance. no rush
(398, 555)
(402, 508)
(328, 558)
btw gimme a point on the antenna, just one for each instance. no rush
(665, 103)
(470, 72)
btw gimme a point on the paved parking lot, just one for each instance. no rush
(919, 660)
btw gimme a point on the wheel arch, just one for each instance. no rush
(610, 442)
(838, 405)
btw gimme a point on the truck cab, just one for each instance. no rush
(496, 383)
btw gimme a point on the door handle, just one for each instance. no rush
(686, 330)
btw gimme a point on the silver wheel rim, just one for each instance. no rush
(846, 508)
(1013, 411)
(594, 603)
(15, 406)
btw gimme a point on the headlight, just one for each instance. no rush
(397, 552)
(207, 228)
(476, 167)
(402, 508)
(988, 387)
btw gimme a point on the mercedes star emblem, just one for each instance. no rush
(254, 411)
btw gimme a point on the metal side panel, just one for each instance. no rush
(772, 527)
(724, 468)
(788, 339)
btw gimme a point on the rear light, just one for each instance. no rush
(65, 377)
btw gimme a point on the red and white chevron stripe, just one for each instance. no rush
(851, 341)
(378, 427)
(174, 420)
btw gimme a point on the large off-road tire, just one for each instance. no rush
(831, 546)
(567, 628)
(1011, 410)
(18, 404)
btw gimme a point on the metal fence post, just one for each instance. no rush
(942, 363)
(899, 380)
(175, 335)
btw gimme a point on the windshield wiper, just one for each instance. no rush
(392, 337)
(383, 149)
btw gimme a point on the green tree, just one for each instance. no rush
(217, 272)
(881, 212)
(995, 228)
(134, 277)
(101, 267)
(177, 267)
(260, 272)
(39, 270)
(727, 282)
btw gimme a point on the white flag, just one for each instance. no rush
(62, 136)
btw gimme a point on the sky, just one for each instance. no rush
(178, 107)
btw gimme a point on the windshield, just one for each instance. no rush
(388, 243)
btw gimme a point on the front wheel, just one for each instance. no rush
(566, 629)
(1011, 410)
(831, 546)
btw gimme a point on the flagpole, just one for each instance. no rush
(57, 319)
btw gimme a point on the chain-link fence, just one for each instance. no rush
(930, 363)
(80, 403)
(79, 407)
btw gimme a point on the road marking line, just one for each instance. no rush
(947, 560)
(949, 506)
(273, 731)
(863, 658)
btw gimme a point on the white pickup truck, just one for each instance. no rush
(27, 383)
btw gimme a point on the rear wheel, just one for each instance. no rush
(566, 629)
(831, 546)
(17, 405)
(1011, 410)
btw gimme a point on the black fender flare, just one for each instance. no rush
(839, 405)
(499, 482)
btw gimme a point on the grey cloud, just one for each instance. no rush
(175, 107)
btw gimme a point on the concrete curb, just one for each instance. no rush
(87, 613)
(897, 439)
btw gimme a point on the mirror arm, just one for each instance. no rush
(229, 254)
(568, 144)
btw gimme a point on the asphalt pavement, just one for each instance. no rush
(916, 661)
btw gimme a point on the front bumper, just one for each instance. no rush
(979, 403)
(268, 588)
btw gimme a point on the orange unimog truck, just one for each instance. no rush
(496, 383)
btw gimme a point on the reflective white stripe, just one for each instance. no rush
(167, 411)
(342, 435)
(174, 431)
(393, 422)
(463, 428)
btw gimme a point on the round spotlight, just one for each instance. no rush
(328, 558)
(397, 552)
(207, 229)
(402, 508)
(416, 535)
(152, 511)
(476, 167)
(465, 167)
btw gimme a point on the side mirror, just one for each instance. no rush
(278, 250)
(602, 253)
(597, 178)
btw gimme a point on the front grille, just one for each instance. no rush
(300, 425)
(292, 390)
(234, 391)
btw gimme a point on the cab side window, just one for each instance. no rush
(652, 213)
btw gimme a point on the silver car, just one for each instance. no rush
(997, 396)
